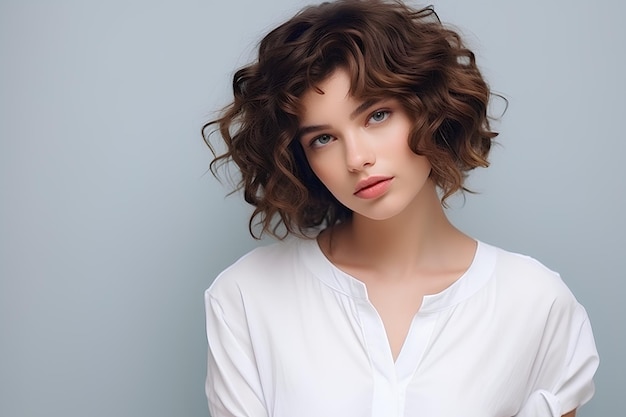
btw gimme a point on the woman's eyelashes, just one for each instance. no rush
(374, 118)
(378, 116)
(321, 140)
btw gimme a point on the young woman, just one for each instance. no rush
(356, 122)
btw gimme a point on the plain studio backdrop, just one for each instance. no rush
(111, 229)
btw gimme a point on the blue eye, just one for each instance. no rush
(321, 140)
(379, 116)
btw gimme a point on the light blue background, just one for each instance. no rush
(110, 228)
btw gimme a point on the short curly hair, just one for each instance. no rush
(390, 50)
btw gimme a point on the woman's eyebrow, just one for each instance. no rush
(310, 129)
(360, 109)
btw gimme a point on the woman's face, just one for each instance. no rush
(359, 150)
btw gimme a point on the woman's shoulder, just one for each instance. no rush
(520, 275)
(261, 267)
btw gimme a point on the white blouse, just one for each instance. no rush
(291, 335)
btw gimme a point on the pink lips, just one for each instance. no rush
(372, 187)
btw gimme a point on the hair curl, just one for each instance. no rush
(390, 50)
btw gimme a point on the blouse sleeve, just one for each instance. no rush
(574, 386)
(233, 387)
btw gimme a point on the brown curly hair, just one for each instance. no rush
(390, 50)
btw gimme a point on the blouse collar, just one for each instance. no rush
(475, 277)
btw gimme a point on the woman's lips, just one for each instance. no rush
(372, 187)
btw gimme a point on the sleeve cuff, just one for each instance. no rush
(541, 404)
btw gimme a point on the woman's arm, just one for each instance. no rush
(233, 387)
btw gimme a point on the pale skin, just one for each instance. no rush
(399, 241)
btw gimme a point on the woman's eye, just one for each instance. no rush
(321, 140)
(379, 116)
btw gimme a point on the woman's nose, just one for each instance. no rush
(359, 152)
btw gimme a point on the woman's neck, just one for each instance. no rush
(418, 241)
